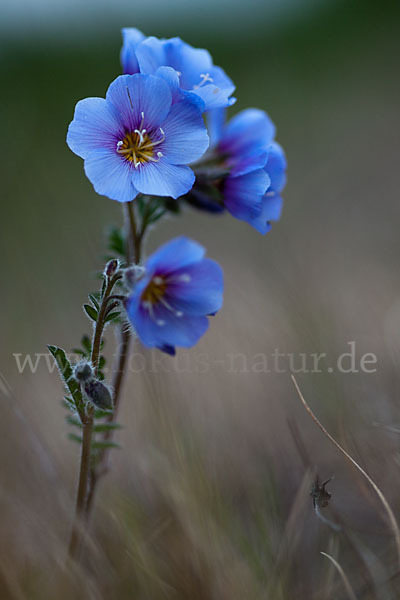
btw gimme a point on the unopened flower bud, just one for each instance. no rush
(83, 371)
(111, 267)
(99, 394)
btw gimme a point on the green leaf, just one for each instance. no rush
(74, 421)
(156, 217)
(86, 344)
(141, 203)
(78, 351)
(91, 312)
(116, 241)
(172, 205)
(102, 364)
(75, 438)
(112, 316)
(62, 362)
(66, 374)
(70, 404)
(104, 445)
(106, 427)
(94, 301)
(101, 414)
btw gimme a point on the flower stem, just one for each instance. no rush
(101, 468)
(134, 249)
(87, 418)
(77, 533)
(136, 236)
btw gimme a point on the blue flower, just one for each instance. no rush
(254, 166)
(169, 305)
(138, 139)
(195, 68)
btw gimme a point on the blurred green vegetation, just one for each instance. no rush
(209, 496)
(326, 82)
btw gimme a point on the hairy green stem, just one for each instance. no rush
(136, 235)
(77, 527)
(87, 418)
(100, 468)
(134, 249)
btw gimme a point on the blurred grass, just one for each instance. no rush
(209, 496)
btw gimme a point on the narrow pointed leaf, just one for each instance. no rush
(75, 438)
(94, 301)
(91, 312)
(106, 427)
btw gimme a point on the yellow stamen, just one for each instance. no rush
(154, 291)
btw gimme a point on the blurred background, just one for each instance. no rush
(209, 496)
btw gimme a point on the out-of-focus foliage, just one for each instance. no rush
(210, 496)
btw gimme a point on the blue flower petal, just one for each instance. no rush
(221, 80)
(163, 179)
(133, 94)
(271, 211)
(213, 96)
(166, 329)
(186, 137)
(171, 77)
(182, 331)
(196, 289)
(276, 166)
(110, 175)
(202, 200)
(192, 64)
(248, 132)
(167, 349)
(151, 55)
(176, 254)
(272, 206)
(95, 125)
(131, 39)
(215, 124)
(243, 195)
(145, 327)
(188, 61)
(250, 163)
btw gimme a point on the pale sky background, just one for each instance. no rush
(21, 18)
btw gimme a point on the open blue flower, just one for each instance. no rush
(169, 305)
(197, 73)
(138, 139)
(253, 166)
